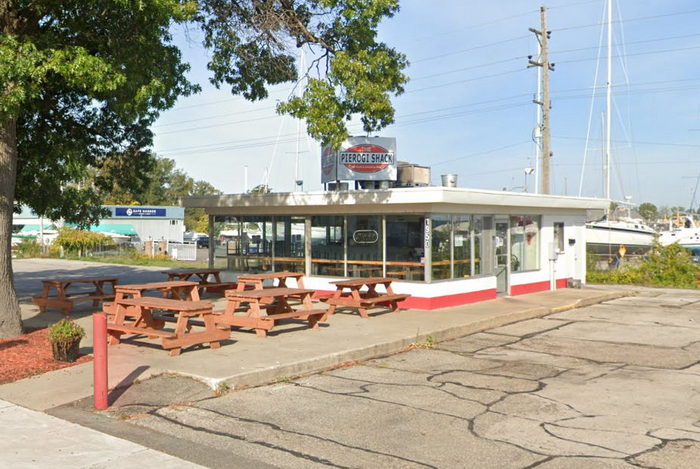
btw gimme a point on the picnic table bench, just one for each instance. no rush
(209, 280)
(267, 306)
(362, 300)
(177, 289)
(65, 300)
(146, 323)
(256, 280)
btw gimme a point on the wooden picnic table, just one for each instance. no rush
(65, 295)
(363, 299)
(141, 311)
(176, 289)
(256, 280)
(179, 290)
(209, 279)
(261, 314)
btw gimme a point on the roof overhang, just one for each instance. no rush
(403, 200)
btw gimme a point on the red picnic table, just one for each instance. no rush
(360, 299)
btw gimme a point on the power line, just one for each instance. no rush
(223, 124)
(637, 142)
(402, 121)
(456, 70)
(663, 51)
(629, 20)
(481, 153)
(482, 77)
(660, 39)
(475, 26)
(267, 108)
(470, 49)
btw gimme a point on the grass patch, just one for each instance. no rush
(139, 259)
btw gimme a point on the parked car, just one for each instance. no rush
(202, 241)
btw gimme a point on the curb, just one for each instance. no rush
(271, 374)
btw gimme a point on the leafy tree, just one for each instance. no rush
(82, 81)
(196, 219)
(648, 211)
(261, 189)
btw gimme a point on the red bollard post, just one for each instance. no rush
(99, 363)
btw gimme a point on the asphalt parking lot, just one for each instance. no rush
(612, 385)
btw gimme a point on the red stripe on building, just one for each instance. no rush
(535, 287)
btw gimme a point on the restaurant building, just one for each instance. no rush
(446, 246)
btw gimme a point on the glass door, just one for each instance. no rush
(501, 250)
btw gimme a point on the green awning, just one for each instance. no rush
(125, 230)
(37, 228)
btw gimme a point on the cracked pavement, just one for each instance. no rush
(612, 385)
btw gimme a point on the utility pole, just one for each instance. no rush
(545, 104)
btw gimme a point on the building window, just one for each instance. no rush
(365, 241)
(483, 245)
(463, 244)
(327, 249)
(441, 247)
(404, 247)
(289, 244)
(524, 243)
(173, 222)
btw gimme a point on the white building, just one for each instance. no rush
(127, 222)
(445, 246)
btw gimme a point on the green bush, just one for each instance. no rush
(28, 247)
(663, 266)
(65, 331)
(80, 241)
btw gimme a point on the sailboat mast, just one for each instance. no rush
(608, 112)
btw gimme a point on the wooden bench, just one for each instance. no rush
(65, 300)
(266, 323)
(66, 304)
(141, 309)
(363, 299)
(217, 287)
(323, 296)
(384, 299)
(140, 331)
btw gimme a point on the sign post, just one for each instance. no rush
(99, 362)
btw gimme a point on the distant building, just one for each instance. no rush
(125, 223)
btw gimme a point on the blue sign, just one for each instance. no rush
(138, 212)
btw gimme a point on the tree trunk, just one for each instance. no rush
(10, 316)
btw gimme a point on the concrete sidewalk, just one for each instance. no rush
(33, 439)
(290, 350)
(244, 360)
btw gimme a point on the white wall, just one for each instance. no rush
(569, 264)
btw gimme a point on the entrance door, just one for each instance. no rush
(502, 249)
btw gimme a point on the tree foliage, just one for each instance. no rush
(648, 211)
(81, 82)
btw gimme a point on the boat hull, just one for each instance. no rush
(603, 239)
(686, 237)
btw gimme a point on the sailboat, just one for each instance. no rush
(607, 235)
(687, 235)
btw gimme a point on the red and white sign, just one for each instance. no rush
(366, 158)
(360, 159)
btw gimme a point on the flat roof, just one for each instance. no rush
(397, 200)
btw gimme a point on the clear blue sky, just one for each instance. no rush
(468, 107)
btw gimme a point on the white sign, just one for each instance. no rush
(360, 159)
